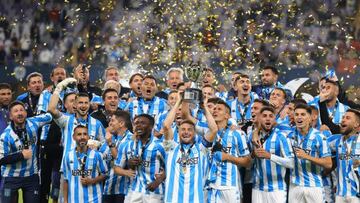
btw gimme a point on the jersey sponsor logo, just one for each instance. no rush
(189, 161)
(83, 173)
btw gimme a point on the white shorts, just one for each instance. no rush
(339, 199)
(268, 197)
(137, 197)
(226, 195)
(127, 198)
(300, 194)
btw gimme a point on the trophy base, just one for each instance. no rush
(193, 95)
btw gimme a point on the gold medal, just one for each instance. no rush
(184, 169)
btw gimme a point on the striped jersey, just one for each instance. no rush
(67, 124)
(268, 175)
(241, 112)
(187, 167)
(222, 95)
(306, 173)
(140, 106)
(115, 184)
(225, 175)
(159, 120)
(11, 143)
(345, 152)
(336, 113)
(152, 155)
(42, 106)
(77, 165)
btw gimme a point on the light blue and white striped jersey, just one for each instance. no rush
(335, 113)
(96, 99)
(224, 175)
(140, 106)
(187, 167)
(268, 175)
(222, 95)
(153, 161)
(306, 173)
(160, 120)
(329, 180)
(67, 124)
(345, 152)
(73, 170)
(240, 112)
(283, 121)
(115, 184)
(11, 143)
(42, 106)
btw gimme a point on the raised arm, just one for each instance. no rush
(211, 134)
(169, 135)
(185, 110)
(55, 96)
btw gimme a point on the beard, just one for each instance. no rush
(346, 131)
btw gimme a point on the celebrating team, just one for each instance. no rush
(118, 144)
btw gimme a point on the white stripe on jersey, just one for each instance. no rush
(115, 184)
(94, 166)
(10, 143)
(306, 173)
(153, 158)
(186, 185)
(346, 151)
(226, 174)
(67, 124)
(268, 175)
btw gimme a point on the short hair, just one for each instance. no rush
(297, 101)
(174, 69)
(125, 116)
(323, 78)
(109, 82)
(56, 67)
(214, 100)
(356, 112)
(147, 116)
(336, 83)
(111, 68)
(207, 85)
(236, 73)
(150, 77)
(79, 126)
(82, 94)
(173, 91)
(209, 69)
(187, 121)
(225, 104)
(283, 91)
(242, 76)
(107, 91)
(15, 103)
(32, 75)
(272, 68)
(76, 67)
(267, 108)
(304, 106)
(263, 102)
(134, 75)
(5, 86)
(68, 94)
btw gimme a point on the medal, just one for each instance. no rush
(184, 169)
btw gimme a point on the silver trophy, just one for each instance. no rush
(195, 73)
